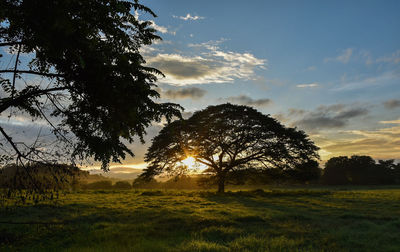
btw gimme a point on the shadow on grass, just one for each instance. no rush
(203, 221)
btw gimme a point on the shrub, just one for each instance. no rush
(103, 184)
(122, 185)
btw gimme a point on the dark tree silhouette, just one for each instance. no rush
(359, 170)
(97, 85)
(227, 138)
(305, 172)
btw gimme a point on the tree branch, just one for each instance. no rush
(56, 130)
(10, 43)
(50, 75)
(15, 72)
(14, 102)
(19, 155)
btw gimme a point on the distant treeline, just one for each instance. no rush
(360, 170)
(354, 170)
(40, 176)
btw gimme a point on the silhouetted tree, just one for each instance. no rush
(387, 172)
(305, 172)
(98, 88)
(358, 170)
(227, 138)
(140, 183)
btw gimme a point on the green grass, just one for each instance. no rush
(319, 219)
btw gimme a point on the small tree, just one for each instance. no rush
(227, 138)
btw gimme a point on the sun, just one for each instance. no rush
(190, 162)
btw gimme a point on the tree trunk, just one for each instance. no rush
(221, 185)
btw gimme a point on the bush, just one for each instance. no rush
(122, 185)
(103, 184)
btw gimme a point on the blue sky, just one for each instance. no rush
(331, 68)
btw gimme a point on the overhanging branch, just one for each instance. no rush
(10, 43)
(7, 103)
(50, 75)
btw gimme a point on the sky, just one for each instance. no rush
(330, 68)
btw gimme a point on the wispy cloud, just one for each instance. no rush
(343, 57)
(391, 122)
(188, 17)
(246, 100)
(184, 93)
(382, 143)
(382, 79)
(328, 117)
(309, 85)
(159, 28)
(392, 104)
(366, 55)
(393, 58)
(311, 68)
(210, 65)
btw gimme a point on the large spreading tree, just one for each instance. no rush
(75, 66)
(228, 138)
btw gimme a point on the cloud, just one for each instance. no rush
(183, 93)
(311, 68)
(188, 17)
(246, 100)
(382, 143)
(296, 112)
(393, 58)
(210, 65)
(153, 24)
(309, 85)
(160, 28)
(391, 122)
(367, 56)
(386, 78)
(343, 57)
(329, 117)
(392, 104)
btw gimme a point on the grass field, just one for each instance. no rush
(327, 219)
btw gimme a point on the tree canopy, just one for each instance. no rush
(227, 138)
(97, 87)
(360, 170)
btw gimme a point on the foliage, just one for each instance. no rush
(99, 185)
(227, 139)
(343, 219)
(360, 170)
(306, 172)
(19, 182)
(122, 185)
(140, 183)
(99, 88)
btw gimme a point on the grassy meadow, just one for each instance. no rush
(283, 219)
